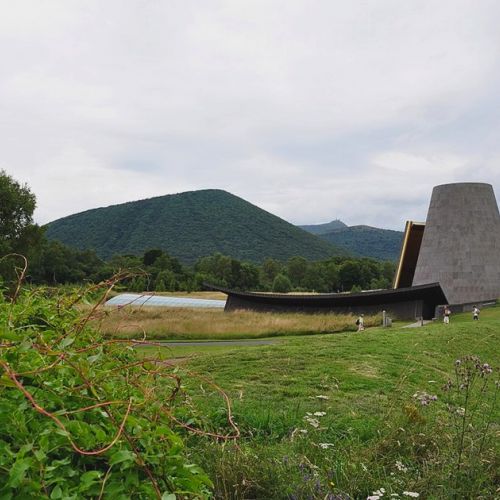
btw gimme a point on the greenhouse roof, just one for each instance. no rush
(133, 299)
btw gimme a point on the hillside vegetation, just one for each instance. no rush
(324, 228)
(189, 226)
(361, 241)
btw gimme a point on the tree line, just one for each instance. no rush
(53, 263)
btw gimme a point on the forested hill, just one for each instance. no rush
(362, 241)
(319, 229)
(189, 226)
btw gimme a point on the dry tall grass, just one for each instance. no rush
(178, 323)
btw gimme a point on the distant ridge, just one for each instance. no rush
(319, 229)
(189, 226)
(361, 241)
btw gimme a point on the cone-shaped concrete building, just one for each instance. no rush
(460, 247)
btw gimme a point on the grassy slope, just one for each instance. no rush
(371, 363)
(188, 226)
(369, 379)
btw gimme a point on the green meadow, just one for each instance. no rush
(345, 415)
(323, 412)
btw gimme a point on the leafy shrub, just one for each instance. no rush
(81, 416)
(281, 284)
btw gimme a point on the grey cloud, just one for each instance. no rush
(310, 110)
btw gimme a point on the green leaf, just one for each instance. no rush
(88, 479)
(6, 381)
(56, 492)
(94, 358)
(25, 448)
(121, 456)
(67, 341)
(18, 471)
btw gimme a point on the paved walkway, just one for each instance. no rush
(418, 323)
(211, 343)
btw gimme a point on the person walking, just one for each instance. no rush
(360, 322)
(446, 317)
(475, 313)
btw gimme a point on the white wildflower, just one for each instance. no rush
(412, 494)
(322, 397)
(319, 413)
(312, 421)
(325, 446)
(401, 466)
(372, 497)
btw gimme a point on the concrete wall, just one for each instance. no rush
(461, 243)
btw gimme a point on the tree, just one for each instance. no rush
(18, 234)
(350, 274)
(281, 284)
(150, 256)
(297, 268)
(332, 276)
(270, 269)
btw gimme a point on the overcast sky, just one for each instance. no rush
(313, 110)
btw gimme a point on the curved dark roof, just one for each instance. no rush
(431, 292)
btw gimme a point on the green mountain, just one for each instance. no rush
(363, 241)
(367, 241)
(320, 229)
(188, 226)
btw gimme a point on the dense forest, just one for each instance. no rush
(53, 263)
(361, 241)
(189, 226)
(327, 227)
(157, 271)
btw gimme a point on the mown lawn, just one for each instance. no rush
(370, 432)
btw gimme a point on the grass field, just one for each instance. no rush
(341, 416)
(214, 324)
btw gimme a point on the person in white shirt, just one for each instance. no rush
(446, 318)
(475, 313)
(361, 323)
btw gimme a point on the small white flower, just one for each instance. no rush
(412, 494)
(322, 397)
(372, 497)
(312, 421)
(319, 413)
(401, 466)
(325, 446)
(303, 431)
